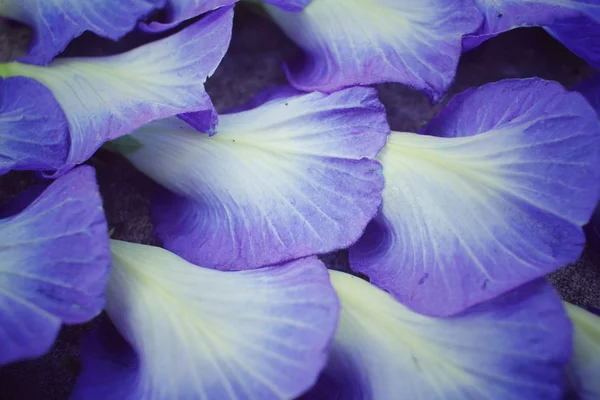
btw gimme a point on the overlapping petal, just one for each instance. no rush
(293, 177)
(182, 10)
(33, 128)
(576, 22)
(514, 347)
(57, 22)
(107, 97)
(584, 369)
(496, 199)
(205, 334)
(353, 42)
(54, 262)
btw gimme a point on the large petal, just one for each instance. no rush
(498, 199)
(57, 22)
(514, 347)
(33, 128)
(291, 178)
(584, 369)
(353, 42)
(179, 11)
(503, 15)
(206, 334)
(108, 97)
(54, 264)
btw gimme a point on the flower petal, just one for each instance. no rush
(498, 200)
(179, 11)
(290, 5)
(33, 127)
(57, 22)
(581, 35)
(291, 178)
(206, 334)
(54, 264)
(353, 42)
(514, 347)
(584, 368)
(108, 97)
(503, 15)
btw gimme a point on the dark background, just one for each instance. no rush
(252, 64)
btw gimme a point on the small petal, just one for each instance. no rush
(291, 178)
(54, 264)
(503, 15)
(497, 200)
(206, 334)
(514, 347)
(33, 128)
(179, 11)
(107, 97)
(584, 369)
(57, 22)
(353, 42)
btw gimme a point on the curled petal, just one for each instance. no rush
(514, 347)
(353, 42)
(54, 264)
(495, 200)
(107, 97)
(293, 177)
(179, 11)
(197, 333)
(57, 22)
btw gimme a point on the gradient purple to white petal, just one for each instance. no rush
(197, 333)
(352, 42)
(583, 369)
(56, 22)
(107, 97)
(293, 177)
(35, 134)
(54, 265)
(179, 11)
(513, 347)
(495, 199)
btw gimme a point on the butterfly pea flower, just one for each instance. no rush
(54, 263)
(353, 42)
(195, 333)
(106, 97)
(513, 347)
(289, 175)
(584, 368)
(575, 23)
(491, 194)
(56, 22)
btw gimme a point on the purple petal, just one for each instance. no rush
(514, 347)
(581, 35)
(34, 128)
(179, 11)
(57, 22)
(497, 200)
(200, 333)
(55, 264)
(584, 367)
(291, 178)
(352, 42)
(290, 5)
(503, 15)
(107, 97)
